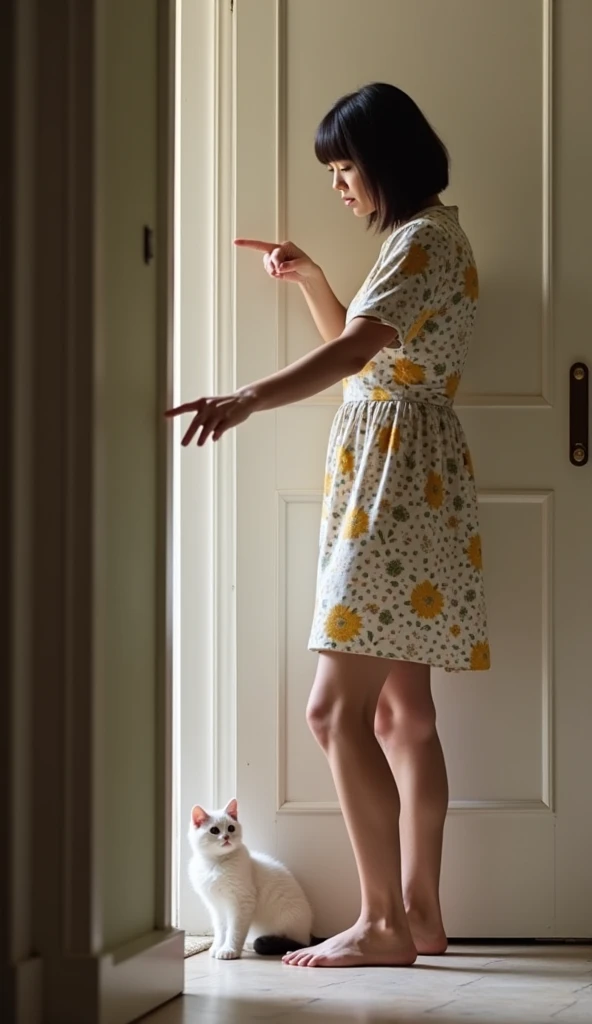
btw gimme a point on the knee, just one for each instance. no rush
(328, 717)
(404, 725)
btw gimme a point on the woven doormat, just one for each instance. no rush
(197, 944)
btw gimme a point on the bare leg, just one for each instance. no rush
(406, 727)
(341, 714)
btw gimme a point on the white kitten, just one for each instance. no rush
(249, 895)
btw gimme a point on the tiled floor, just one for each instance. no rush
(497, 985)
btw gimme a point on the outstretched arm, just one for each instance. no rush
(343, 357)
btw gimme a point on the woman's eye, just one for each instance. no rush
(215, 831)
(231, 828)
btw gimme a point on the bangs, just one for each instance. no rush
(384, 134)
(332, 142)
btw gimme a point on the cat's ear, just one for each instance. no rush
(231, 810)
(198, 816)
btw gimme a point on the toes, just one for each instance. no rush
(295, 959)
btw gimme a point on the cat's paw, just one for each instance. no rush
(214, 950)
(227, 953)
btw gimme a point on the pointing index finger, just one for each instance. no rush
(254, 243)
(179, 409)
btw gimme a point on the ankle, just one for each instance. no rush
(424, 906)
(379, 921)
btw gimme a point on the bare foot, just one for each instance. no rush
(360, 946)
(428, 933)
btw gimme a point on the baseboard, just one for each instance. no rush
(119, 986)
(24, 993)
(140, 976)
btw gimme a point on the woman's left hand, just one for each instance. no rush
(214, 415)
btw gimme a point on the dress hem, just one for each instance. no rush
(330, 649)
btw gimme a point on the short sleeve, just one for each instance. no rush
(405, 280)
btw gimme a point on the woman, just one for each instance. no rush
(400, 585)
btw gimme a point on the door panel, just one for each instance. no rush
(489, 76)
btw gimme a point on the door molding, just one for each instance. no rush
(205, 480)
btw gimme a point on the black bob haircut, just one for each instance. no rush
(383, 132)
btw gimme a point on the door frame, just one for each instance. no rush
(55, 965)
(205, 488)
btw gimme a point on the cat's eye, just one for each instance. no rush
(215, 831)
(231, 828)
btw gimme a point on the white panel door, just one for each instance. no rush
(508, 85)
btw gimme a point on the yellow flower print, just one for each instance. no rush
(380, 395)
(342, 624)
(480, 657)
(345, 460)
(474, 552)
(434, 491)
(405, 371)
(452, 383)
(471, 283)
(355, 524)
(389, 440)
(419, 324)
(455, 630)
(415, 261)
(468, 462)
(328, 483)
(367, 368)
(426, 600)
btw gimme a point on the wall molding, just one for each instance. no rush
(331, 807)
(224, 358)
(543, 400)
(544, 498)
(547, 346)
(542, 805)
(284, 498)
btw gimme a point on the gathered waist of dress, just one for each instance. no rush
(436, 399)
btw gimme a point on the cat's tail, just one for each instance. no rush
(279, 945)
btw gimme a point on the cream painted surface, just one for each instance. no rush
(88, 936)
(129, 398)
(508, 87)
(206, 528)
(195, 474)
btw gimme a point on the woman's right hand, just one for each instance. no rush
(283, 260)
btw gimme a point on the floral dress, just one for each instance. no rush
(400, 566)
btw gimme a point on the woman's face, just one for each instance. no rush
(347, 180)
